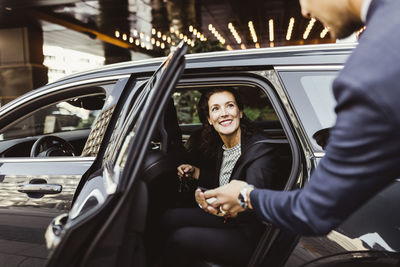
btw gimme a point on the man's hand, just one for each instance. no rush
(227, 198)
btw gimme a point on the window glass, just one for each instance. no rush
(312, 98)
(319, 93)
(73, 114)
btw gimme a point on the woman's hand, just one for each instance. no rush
(187, 171)
(201, 200)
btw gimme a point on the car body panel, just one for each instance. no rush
(24, 217)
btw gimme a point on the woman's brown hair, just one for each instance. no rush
(210, 138)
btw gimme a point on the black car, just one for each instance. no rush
(133, 150)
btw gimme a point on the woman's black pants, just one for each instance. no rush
(193, 235)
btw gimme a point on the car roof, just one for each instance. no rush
(276, 56)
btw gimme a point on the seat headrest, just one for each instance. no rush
(168, 131)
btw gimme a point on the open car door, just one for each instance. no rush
(106, 224)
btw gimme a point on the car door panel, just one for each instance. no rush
(125, 206)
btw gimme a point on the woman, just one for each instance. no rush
(234, 147)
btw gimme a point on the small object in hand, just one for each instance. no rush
(222, 211)
(188, 173)
(211, 200)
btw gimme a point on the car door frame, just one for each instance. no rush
(267, 80)
(122, 207)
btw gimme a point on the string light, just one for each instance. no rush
(309, 28)
(234, 33)
(253, 32)
(324, 33)
(290, 29)
(360, 31)
(216, 34)
(271, 30)
(243, 46)
(146, 41)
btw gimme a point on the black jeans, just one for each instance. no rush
(194, 235)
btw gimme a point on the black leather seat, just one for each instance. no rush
(167, 150)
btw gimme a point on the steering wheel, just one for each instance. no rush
(50, 146)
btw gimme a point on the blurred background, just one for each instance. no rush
(44, 40)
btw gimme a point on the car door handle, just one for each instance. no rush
(40, 188)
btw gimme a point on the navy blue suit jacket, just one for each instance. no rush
(363, 153)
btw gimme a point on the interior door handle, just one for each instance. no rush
(40, 188)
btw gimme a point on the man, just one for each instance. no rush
(363, 153)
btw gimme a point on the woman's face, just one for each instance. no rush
(224, 113)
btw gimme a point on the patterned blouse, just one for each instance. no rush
(229, 158)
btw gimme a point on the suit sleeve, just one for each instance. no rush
(362, 157)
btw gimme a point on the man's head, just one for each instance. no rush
(341, 17)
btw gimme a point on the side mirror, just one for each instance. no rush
(321, 137)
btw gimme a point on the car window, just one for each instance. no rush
(257, 106)
(70, 115)
(312, 98)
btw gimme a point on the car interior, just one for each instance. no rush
(167, 151)
(57, 129)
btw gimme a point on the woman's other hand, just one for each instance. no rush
(188, 171)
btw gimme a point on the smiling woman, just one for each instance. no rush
(229, 148)
(224, 116)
